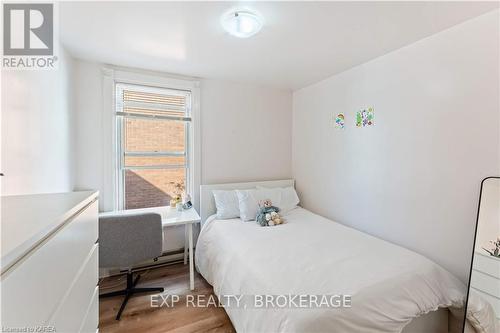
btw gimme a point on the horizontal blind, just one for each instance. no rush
(152, 102)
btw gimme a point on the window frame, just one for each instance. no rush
(121, 116)
(110, 195)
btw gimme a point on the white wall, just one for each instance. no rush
(414, 177)
(37, 129)
(246, 132)
(89, 145)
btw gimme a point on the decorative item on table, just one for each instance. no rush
(340, 121)
(187, 202)
(364, 117)
(177, 198)
(268, 214)
(495, 251)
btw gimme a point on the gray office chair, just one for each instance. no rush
(126, 240)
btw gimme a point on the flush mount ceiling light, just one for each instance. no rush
(242, 23)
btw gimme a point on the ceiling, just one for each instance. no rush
(300, 43)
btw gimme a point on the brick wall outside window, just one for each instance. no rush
(153, 187)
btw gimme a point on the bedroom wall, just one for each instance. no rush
(413, 178)
(37, 129)
(89, 145)
(246, 132)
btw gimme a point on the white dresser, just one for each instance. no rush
(485, 279)
(49, 263)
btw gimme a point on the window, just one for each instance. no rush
(153, 131)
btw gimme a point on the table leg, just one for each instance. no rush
(191, 262)
(185, 243)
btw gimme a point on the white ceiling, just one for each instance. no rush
(300, 43)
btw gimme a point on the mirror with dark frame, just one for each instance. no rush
(483, 296)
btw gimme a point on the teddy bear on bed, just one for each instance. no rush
(268, 214)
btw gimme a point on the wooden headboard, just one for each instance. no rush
(207, 203)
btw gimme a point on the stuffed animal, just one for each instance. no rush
(268, 214)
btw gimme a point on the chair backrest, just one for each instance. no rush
(125, 240)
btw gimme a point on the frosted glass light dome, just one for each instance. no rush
(242, 23)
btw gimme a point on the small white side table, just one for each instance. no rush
(172, 217)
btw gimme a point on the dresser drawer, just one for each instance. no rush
(33, 289)
(487, 264)
(485, 283)
(71, 311)
(91, 322)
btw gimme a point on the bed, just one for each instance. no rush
(392, 289)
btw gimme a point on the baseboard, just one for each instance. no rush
(168, 258)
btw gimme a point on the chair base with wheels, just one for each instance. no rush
(129, 291)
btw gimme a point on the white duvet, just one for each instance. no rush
(311, 255)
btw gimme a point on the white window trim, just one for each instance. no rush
(111, 76)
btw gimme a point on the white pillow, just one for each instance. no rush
(289, 198)
(227, 204)
(249, 201)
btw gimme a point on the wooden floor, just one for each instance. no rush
(139, 316)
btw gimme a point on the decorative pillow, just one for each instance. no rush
(249, 201)
(227, 204)
(289, 198)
